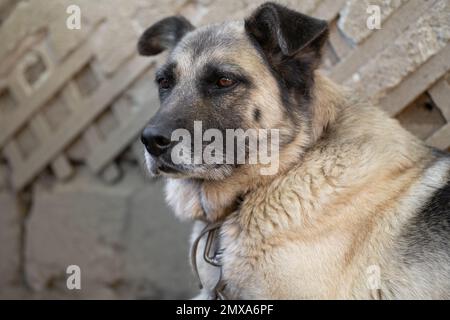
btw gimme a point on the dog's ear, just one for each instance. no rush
(163, 35)
(279, 29)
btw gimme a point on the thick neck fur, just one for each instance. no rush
(339, 122)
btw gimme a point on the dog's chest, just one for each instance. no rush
(284, 267)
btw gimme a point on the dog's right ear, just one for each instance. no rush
(279, 29)
(163, 35)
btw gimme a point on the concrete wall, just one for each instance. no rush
(72, 104)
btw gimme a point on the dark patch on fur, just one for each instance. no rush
(428, 233)
(257, 115)
(291, 44)
(285, 32)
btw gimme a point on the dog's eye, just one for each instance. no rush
(225, 82)
(164, 83)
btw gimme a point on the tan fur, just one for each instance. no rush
(315, 229)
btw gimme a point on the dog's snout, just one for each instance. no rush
(155, 141)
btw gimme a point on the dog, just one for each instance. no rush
(359, 208)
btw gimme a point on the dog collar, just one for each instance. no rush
(210, 256)
(210, 253)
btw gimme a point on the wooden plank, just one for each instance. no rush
(328, 9)
(441, 139)
(392, 29)
(118, 140)
(88, 110)
(40, 128)
(92, 137)
(65, 71)
(71, 96)
(340, 45)
(13, 154)
(62, 168)
(111, 173)
(17, 90)
(417, 83)
(121, 110)
(440, 93)
(42, 52)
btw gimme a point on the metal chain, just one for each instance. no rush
(210, 256)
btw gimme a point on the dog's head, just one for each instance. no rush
(248, 75)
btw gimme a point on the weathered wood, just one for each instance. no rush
(88, 110)
(440, 93)
(441, 139)
(119, 139)
(13, 154)
(417, 83)
(111, 173)
(340, 45)
(9, 125)
(393, 27)
(62, 167)
(328, 9)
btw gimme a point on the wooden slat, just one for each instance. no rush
(417, 83)
(40, 128)
(118, 140)
(13, 154)
(328, 9)
(340, 45)
(440, 93)
(377, 41)
(92, 137)
(88, 110)
(66, 70)
(62, 168)
(110, 173)
(441, 139)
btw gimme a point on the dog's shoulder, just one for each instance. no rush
(433, 218)
(424, 243)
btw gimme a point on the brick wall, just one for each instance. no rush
(72, 104)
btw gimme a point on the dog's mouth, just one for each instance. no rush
(170, 170)
(167, 169)
(161, 167)
(158, 166)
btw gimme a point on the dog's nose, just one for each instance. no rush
(154, 141)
